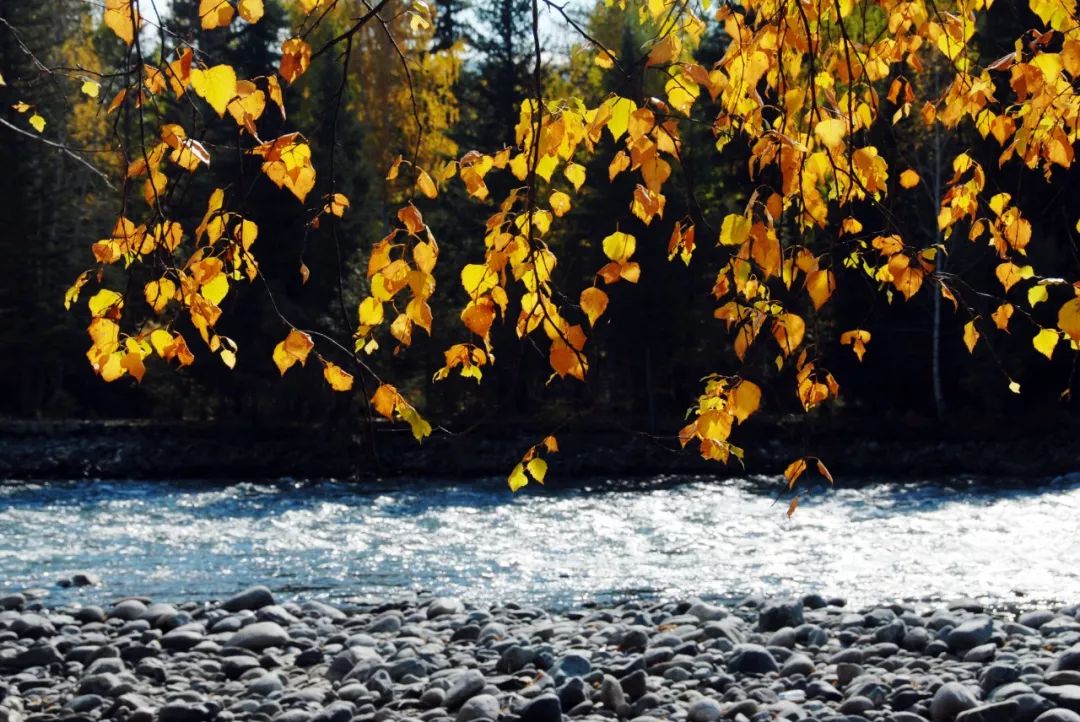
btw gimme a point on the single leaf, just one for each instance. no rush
(517, 478)
(537, 468)
(792, 507)
(971, 335)
(122, 18)
(251, 10)
(909, 179)
(216, 85)
(337, 377)
(1045, 341)
(593, 302)
(1069, 318)
(90, 88)
(824, 471)
(619, 246)
(735, 229)
(793, 471)
(37, 122)
(820, 286)
(295, 59)
(744, 400)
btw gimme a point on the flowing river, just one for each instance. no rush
(1005, 543)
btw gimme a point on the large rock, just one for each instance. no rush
(704, 710)
(251, 599)
(1065, 695)
(951, 699)
(751, 659)
(997, 712)
(482, 706)
(128, 610)
(779, 614)
(970, 634)
(259, 636)
(463, 688)
(444, 606)
(545, 708)
(1058, 715)
(41, 655)
(335, 712)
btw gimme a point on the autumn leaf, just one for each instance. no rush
(744, 400)
(734, 230)
(337, 377)
(971, 335)
(1045, 341)
(619, 246)
(214, 14)
(824, 471)
(792, 507)
(857, 339)
(37, 122)
(517, 478)
(295, 348)
(250, 10)
(793, 471)
(122, 18)
(1069, 318)
(537, 469)
(820, 285)
(90, 88)
(909, 179)
(593, 302)
(295, 59)
(216, 85)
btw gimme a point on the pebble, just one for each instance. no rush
(252, 658)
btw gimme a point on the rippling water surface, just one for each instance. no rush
(555, 547)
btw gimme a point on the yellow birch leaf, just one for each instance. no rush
(122, 19)
(37, 122)
(337, 377)
(560, 203)
(426, 185)
(537, 468)
(1069, 318)
(744, 400)
(216, 85)
(214, 14)
(735, 229)
(90, 88)
(294, 348)
(793, 471)
(251, 10)
(517, 478)
(575, 173)
(971, 336)
(1045, 341)
(619, 246)
(1001, 316)
(909, 179)
(102, 301)
(295, 59)
(1037, 294)
(820, 285)
(831, 132)
(593, 302)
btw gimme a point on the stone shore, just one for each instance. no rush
(255, 658)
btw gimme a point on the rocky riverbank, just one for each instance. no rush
(438, 660)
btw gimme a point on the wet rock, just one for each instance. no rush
(259, 636)
(752, 659)
(970, 634)
(545, 708)
(444, 606)
(250, 599)
(778, 614)
(951, 699)
(482, 706)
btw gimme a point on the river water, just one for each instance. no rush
(556, 547)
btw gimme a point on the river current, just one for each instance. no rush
(557, 547)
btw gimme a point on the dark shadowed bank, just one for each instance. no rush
(854, 449)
